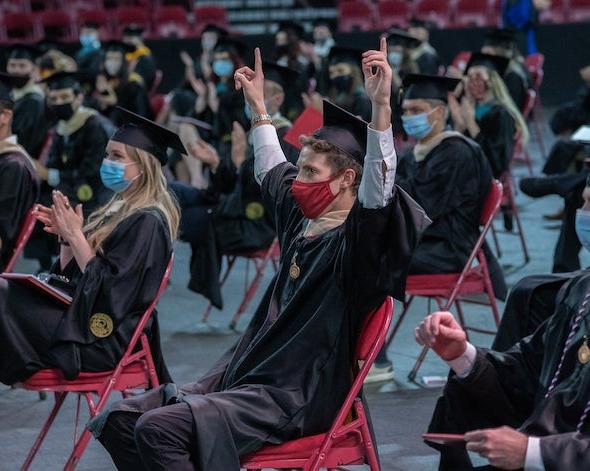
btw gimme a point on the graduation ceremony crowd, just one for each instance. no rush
(363, 166)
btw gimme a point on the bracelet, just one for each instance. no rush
(261, 117)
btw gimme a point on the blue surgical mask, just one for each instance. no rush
(394, 58)
(223, 68)
(112, 175)
(583, 227)
(417, 125)
(481, 109)
(89, 42)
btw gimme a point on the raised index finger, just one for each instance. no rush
(257, 61)
(383, 45)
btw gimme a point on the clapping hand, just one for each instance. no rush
(61, 219)
(378, 83)
(204, 152)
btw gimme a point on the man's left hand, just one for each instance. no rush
(504, 447)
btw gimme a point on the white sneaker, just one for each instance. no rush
(380, 373)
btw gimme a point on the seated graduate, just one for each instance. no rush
(573, 114)
(341, 256)
(118, 86)
(29, 120)
(113, 265)
(448, 175)
(140, 59)
(18, 180)
(90, 56)
(503, 43)
(399, 46)
(486, 112)
(527, 407)
(424, 55)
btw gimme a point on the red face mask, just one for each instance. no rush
(313, 198)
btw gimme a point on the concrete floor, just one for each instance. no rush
(400, 409)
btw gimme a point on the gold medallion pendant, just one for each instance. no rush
(101, 325)
(294, 270)
(584, 352)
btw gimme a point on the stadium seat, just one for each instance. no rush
(170, 21)
(210, 15)
(461, 59)
(435, 11)
(57, 24)
(20, 26)
(125, 16)
(556, 13)
(579, 10)
(100, 17)
(15, 6)
(392, 13)
(355, 15)
(471, 13)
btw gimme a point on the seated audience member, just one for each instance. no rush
(571, 115)
(18, 180)
(424, 55)
(448, 175)
(487, 113)
(29, 118)
(119, 88)
(90, 56)
(399, 47)
(209, 38)
(113, 264)
(257, 394)
(140, 59)
(527, 407)
(502, 42)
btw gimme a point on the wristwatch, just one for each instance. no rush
(261, 117)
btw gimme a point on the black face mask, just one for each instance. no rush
(342, 83)
(63, 112)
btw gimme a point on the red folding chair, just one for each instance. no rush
(210, 15)
(58, 25)
(556, 13)
(453, 287)
(435, 11)
(348, 441)
(392, 13)
(355, 15)
(170, 21)
(521, 154)
(134, 370)
(23, 237)
(125, 16)
(461, 59)
(99, 17)
(20, 26)
(534, 64)
(579, 10)
(471, 13)
(260, 258)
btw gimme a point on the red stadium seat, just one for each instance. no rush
(471, 13)
(21, 26)
(170, 21)
(355, 15)
(58, 25)
(349, 441)
(15, 6)
(453, 287)
(125, 16)
(461, 59)
(23, 237)
(435, 11)
(100, 17)
(135, 369)
(556, 13)
(260, 258)
(579, 10)
(80, 5)
(392, 13)
(210, 15)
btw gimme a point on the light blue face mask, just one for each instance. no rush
(112, 175)
(223, 68)
(89, 42)
(417, 125)
(394, 58)
(583, 227)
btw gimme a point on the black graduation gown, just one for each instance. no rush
(231, 108)
(18, 192)
(451, 184)
(146, 69)
(428, 63)
(29, 122)
(131, 95)
(509, 388)
(78, 157)
(257, 394)
(496, 138)
(356, 102)
(90, 62)
(571, 115)
(36, 332)
(517, 82)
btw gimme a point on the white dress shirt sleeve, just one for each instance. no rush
(463, 365)
(267, 150)
(375, 189)
(534, 460)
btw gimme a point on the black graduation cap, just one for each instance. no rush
(118, 46)
(233, 46)
(399, 37)
(284, 76)
(331, 25)
(349, 55)
(7, 83)
(427, 87)
(497, 63)
(62, 79)
(290, 26)
(46, 44)
(133, 30)
(215, 28)
(500, 37)
(420, 23)
(344, 131)
(146, 135)
(24, 51)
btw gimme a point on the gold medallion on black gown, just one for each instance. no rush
(294, 270)
(584, 352)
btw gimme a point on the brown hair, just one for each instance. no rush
(337, 160)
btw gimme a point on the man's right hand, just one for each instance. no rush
(252, 82)
(441, 332)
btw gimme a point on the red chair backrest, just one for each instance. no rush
(461, 59)
(95, 16)
(393, 12)
(55, 19)
(534, 64)
(20, 25)
(125, 16)
(354, 15)
(373, 327)
(491, 204)
(211, 14)
(529, 103)
(171, 14)
(472, 6)
(26, 230)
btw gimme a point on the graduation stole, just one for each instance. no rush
(420, 151)
(317, 227)
(18, 93)
(67, 128)
(10, 148)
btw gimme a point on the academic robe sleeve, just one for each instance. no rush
(29, 123)
(18, 192)
(121, 281)
(565, 451)
(496, 138)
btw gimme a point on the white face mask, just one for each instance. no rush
(112, 66)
